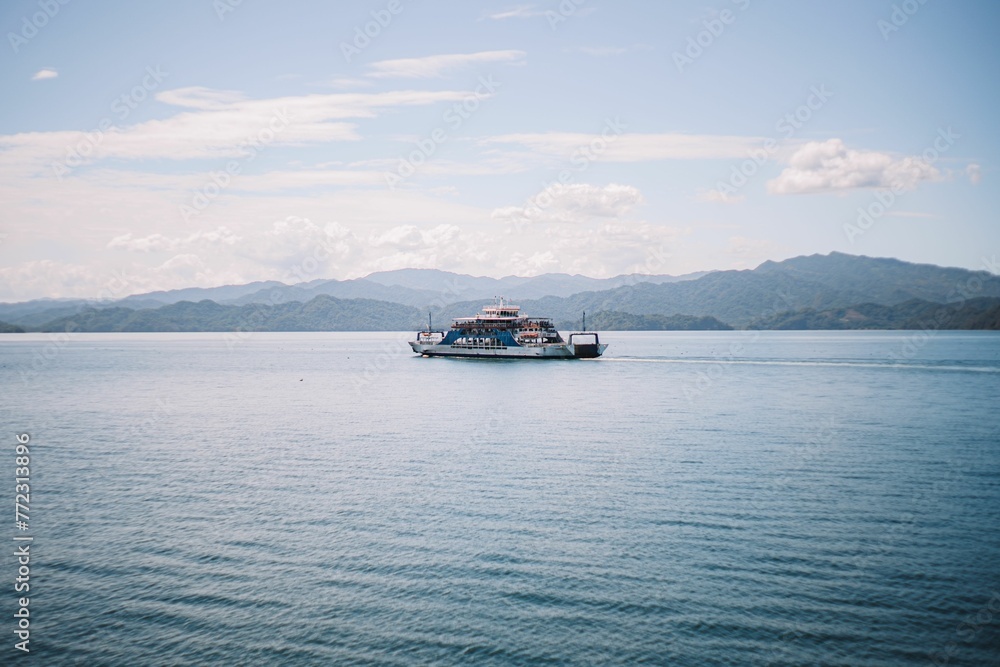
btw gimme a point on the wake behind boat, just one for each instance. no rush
(499, 331)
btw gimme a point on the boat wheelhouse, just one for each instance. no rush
(500, 330)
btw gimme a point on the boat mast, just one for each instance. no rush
(584, 320)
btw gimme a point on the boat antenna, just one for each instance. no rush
(584, 320)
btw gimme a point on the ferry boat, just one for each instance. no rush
(500, 331)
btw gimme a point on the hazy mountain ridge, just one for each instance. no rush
(971, 314)
(421, 288)
(818, 282)
(322, 313)
(816, 291)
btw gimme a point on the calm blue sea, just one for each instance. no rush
(719, 498)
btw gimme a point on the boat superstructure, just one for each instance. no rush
(500, 330)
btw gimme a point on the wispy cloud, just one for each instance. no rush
(429, 67)
(975, 173)
(714, 196)
(830, 166)
(603, 50)
(634, 147)
(519, 12)
(44, 74)
(218, 123)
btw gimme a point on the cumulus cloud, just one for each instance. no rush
(409, 237)
(440, 246)
(297, 250)
(576, 202)
(286, 248)
(36, 278)
(296, 242)
(830, 166)
(603, 248)
(44, 74)
(429, 67)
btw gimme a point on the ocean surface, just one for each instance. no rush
(710, 498)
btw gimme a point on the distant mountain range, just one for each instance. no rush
(421, 288)
(979, 313)
(321, 313)
(835, 291)
(818, 282)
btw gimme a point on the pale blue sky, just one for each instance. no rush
(140, 211)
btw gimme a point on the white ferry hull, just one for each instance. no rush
(555, 351)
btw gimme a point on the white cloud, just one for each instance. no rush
(410, 237)
(216, 124)
(199, 97)
(44, 74)
(975, 173)
(294, 243)
(161, 243)
(295, 249)
(603, 249)
(577, 202)
(629, 147)
(830, 166)
(716, 196)
(519, 12)
(429, 67)
(409, 246)
(36, 278)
